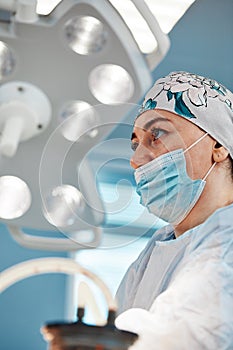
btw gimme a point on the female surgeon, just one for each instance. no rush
(178, 294)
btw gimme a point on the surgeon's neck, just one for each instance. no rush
(209, 202)
(193, 220)
(188, 224)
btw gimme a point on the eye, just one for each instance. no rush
(134, 145)
(157, 133)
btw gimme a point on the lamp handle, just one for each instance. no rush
(52, 244)
(163, 40)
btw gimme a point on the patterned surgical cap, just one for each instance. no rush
(201, 100)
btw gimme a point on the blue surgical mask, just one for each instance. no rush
(165, 188)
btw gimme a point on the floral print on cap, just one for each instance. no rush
(183, 86)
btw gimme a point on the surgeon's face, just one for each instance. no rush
(158, 131)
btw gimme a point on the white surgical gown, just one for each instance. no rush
(178, 294)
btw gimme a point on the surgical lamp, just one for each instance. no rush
(66, 80)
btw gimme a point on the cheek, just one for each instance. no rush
(172, 141)
(197, 164)
(192, 166)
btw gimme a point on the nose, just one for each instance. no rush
(141, 156)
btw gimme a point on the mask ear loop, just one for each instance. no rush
(198, 140)
(209, 171)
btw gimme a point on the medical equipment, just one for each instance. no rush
(43, 59)
(77, 335)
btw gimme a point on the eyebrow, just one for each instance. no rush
(148, 124)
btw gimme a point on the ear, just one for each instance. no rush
(220, 153)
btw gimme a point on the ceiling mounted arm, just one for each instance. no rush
(163, 40)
